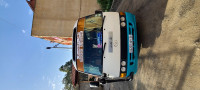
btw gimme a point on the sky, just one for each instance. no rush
(25, 63)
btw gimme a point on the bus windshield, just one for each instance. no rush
(93, 44)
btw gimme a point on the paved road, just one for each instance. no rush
(127, 85)
(169, 38)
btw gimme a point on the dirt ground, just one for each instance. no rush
(169, 37)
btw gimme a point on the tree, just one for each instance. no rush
(67, 79)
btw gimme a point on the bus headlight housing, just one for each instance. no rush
(123, 24)
(123, 69)
(123, 63)
(122, 18)
(123, 72)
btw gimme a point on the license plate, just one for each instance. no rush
(130, 43)
(110, 40)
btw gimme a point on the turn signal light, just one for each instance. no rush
(123, 75)
(121, 13)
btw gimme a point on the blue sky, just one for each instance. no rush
(25, 64)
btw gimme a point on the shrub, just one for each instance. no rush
(105, 4)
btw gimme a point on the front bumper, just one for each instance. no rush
(131, 57)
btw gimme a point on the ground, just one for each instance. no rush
(169, 39)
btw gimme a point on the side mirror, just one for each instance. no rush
(98, 11)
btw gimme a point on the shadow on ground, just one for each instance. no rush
(149, 15)
(162, 71)
(123, 85)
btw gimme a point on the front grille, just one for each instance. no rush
(123, 38)
(123, 43)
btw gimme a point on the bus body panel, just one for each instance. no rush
(111, 36)
(112, 45)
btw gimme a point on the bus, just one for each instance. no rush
(105, 45)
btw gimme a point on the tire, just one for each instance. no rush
(94, 84)
(131, 76)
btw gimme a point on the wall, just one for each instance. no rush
(57, 17)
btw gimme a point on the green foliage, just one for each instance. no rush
(105, 4)
(67, 67)
(67, 79)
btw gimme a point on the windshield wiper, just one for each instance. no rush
(104, 46)
(103, 21)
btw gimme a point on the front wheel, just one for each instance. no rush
(131, 76)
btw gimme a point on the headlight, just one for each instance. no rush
(123, 63)
(123, 69)
(122, 18)
(123, 24)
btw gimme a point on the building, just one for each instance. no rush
(74, 76)
(53, 20)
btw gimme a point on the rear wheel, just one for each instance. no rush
(104, 79)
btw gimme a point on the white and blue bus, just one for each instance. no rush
(105, 44)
